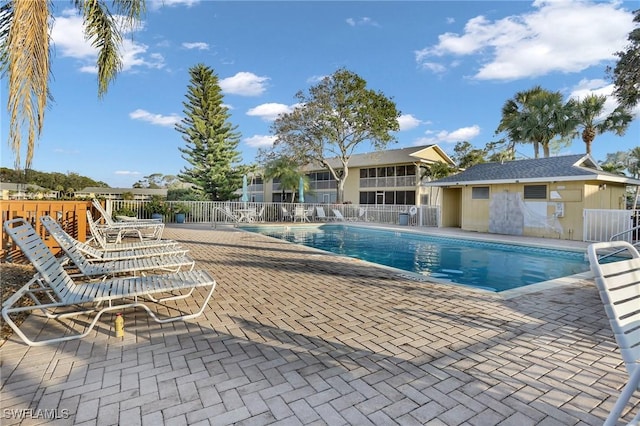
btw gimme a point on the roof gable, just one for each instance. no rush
(426, 153)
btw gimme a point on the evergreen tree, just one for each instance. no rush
(211, 141)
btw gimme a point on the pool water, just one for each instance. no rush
(487, 265)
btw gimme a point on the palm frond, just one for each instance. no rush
(27, 68)
(103, 33)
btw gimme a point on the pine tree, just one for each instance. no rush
(211, 141)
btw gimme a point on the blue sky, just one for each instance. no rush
(448, 65)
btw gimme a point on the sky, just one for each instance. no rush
(449, 66)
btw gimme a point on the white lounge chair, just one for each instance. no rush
(231, 215)
(260, 215)
(619, 285)
(320, 215)
(362, 214)
(52, 288)
(101, 269)
(98, 206)
(99, 236)
(94, 254)
(117, 230)
(338, 214)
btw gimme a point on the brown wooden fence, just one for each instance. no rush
(70, 214)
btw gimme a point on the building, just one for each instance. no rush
(139, 194)
(25, 191)
(381, 177)
(543, 197)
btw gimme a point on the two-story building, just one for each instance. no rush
(381, 177)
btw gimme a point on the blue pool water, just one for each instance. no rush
(487, 265)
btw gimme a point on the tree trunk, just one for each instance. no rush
(340, 191)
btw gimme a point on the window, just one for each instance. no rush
(535, 192)
(480, 193)
(388, 197)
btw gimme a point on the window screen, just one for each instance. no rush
(535, 192)
(480, 193)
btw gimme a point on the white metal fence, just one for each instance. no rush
(218, 212)
(605, 225)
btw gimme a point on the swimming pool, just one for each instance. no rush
(480, 264)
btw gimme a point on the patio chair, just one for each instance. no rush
(618, 283)
(338, 214)
(260, 215)
(94, 254)
(300, 213)
(52, 288)
(231, 215)
(102, 269)
(98, 206)
(320, 215)
(285, 213)
(117, 230)
(98, 235)
(362, 214)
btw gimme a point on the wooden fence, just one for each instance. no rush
(70, 214)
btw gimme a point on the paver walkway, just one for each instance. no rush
(297, 337)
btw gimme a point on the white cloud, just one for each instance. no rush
(199, 45)
(408, 122)
(269, 111)
(361, 21)
(126, 173)
(158, 4)
(316, 79)
(260, 141)
(155, 119)
(557, 36)
(599, 87)
(68, 37)
(244, 84)
(443, 136)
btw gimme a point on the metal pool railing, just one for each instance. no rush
(230, 212)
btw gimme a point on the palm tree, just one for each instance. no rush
(588, 113)
(24, 57)
(512, 111)
(284, 170)
(547, 118)
(615, 168)
(634, 162)
(536, 116)
(435, 171)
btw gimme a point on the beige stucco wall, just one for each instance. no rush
(451, 211)
(574, 196)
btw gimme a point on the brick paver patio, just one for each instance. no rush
(293, 336)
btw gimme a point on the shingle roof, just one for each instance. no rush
(386, 157)
(563, 168)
